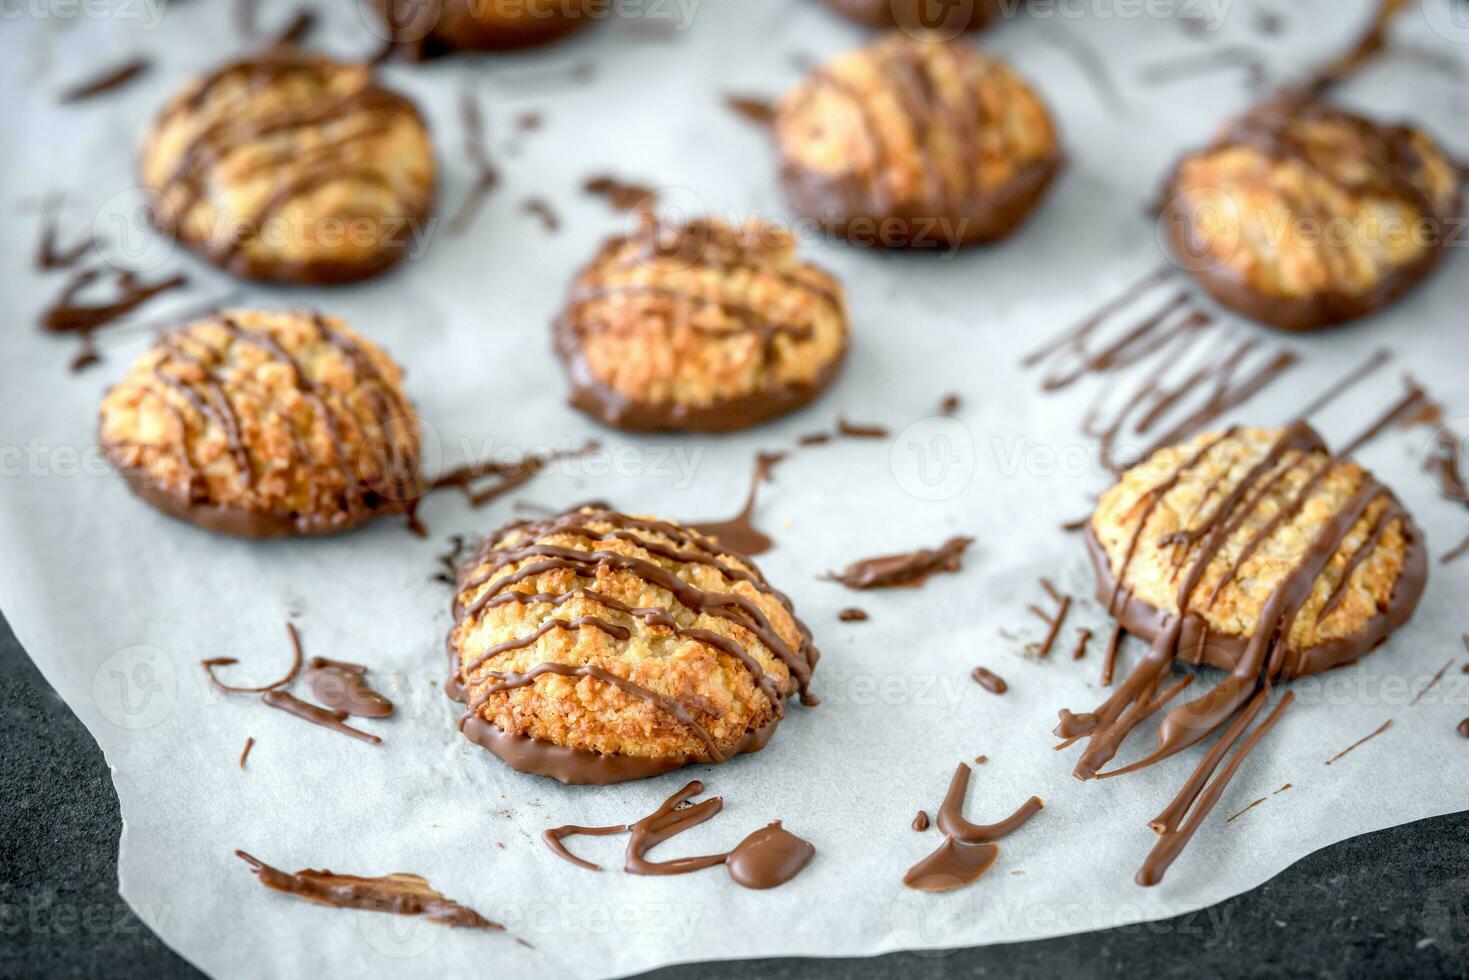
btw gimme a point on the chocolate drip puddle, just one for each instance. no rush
(739, 533)
(342, 686)
(399, 894)
(908, 570)
(767, 858)
(968, 850)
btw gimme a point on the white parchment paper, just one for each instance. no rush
(118, 604)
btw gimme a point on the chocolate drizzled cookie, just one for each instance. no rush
(1302, 215)
(264, 425)
(919, 15)
(426, 30)
(915, 142)
(595, 647)
(700, 326)
(291, 167)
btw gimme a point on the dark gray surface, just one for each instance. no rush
(1395, 903)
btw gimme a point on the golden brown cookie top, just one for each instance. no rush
(1298, 198)
(624, 637)
(700, 326)
(912, 121)
(291, 167)
(264, 424)
(1238, 515)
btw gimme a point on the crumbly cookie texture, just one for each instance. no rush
(291, 167)
(1269, 532)
(665, 610)
(1298, 199)
(700, 326)
(265, 424)
(968, 15)
(916, 129)
(431, 29)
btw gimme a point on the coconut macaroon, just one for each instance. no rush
(1255, 529)
(914, 142)
(700, 326)
(1302, 215)
(264, 424)
(428, 30)
(911, 15)
(595, 647)
(293, 168)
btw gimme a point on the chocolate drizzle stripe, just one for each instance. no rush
(667, 821)
(1432, 683)
(291, 674)
(292, 705)
(968, 849)
(1374, 363)
(556, 836)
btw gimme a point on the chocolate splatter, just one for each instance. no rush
(752, 109)
(1246, 810)
(541, 208)
(107, 81)
(1052, 621)
(950, 404)
(1366, 738)
(292, 705)
(853, 615)
(968, 850)
(296, 664)
(908, 570)
(1083, 638)
(399, 894)
(619, 194)
(991, 682)
(739, 533)
(857, 430)
(920, 822)
(245, 753)
(487, 175)
(341, 686)
(67, 315)
(767, 858)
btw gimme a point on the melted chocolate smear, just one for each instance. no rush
(292, 705)
(108, 81)
(853, 615)
(1414, 408)
(291, 674)
(1445, 464)
(739, 533)
(621, 195)
(903, 571)
(920, 822)
(856, 430)
(245, 754)
(1083, 638)
(991, 682)
(968, 850)
(1246, 810)
(768, 858)
(506, 477)
(752, 109)
(399, 894)
(342, 686)
(1361, 741)
(487, 175)
(542, 209)
(68, 315)
(555, 837)
(1371, 45)
(49, 255)
(449, 560)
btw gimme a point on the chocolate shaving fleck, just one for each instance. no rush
(853, 615)
(988, 680)
(619, 194)
(1366, 738)
(245, 754)
(107, 81)
(752, 109)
